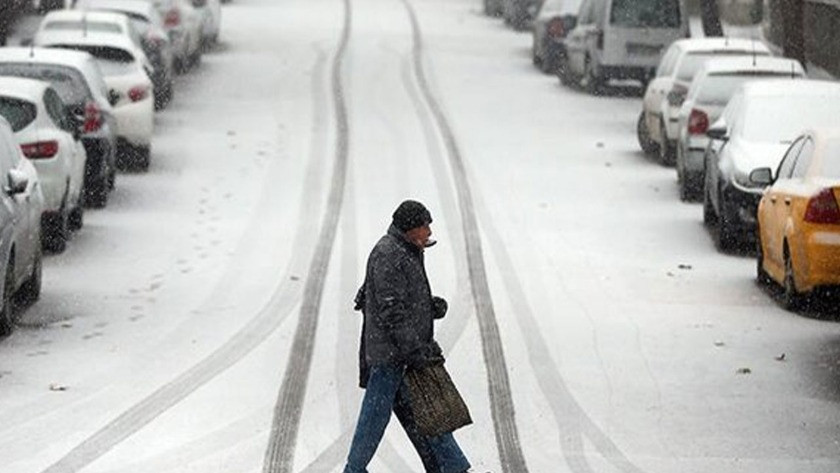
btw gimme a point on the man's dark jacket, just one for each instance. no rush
(397, 304)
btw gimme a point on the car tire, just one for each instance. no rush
(7, 321)
(791, 298)
(648, 145)
(725, 238)
(76, 218)
(97, 194)
(30, 292)
(709, 215)
(55, 235)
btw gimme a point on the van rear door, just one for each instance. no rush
(637, 32)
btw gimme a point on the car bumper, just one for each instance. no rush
(822, 253)
(740, 208)
(135, 121)
(640, 73)
(53, 183)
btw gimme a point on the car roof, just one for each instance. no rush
(65, 57)
(779, 87)
(746, 63)
(88, 39)
(135, 7)
(713, 44)
(30, 89)
(91, 15)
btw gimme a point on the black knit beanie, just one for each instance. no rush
(411, 214)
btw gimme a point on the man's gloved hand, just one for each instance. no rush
(429, 355)
(439, 307)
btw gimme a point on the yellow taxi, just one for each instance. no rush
(799, 217)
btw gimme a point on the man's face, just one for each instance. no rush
(419, 236)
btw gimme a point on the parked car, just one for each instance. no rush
(553, 22)
(755, 129)
(183, 24)
(77, 79)
(131, 91)
(20, 229)
(708, 94)
(519, 13)
(154, 41)
(622, 39)
(50, 138)
(667, 91)
(211, 12)
(799, 217)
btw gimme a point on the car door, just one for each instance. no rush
(775, 211)
(68, 137)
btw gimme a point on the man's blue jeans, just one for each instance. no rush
(385, 392)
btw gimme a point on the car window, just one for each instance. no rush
(93, 26)
(717, 88)
(69, 83)
(785, 169)
(692, 62)
(112, 61)
(803, 162)
(9, 152)
(19, 113)
(646, 13)
(56, 110)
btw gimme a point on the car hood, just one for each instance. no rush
(749, 155)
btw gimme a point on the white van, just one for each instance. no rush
(622, 39)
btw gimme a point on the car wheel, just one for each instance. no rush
(54, 235)
(709, 215)
(725, 238)
(7, 310)
(667, 151)
(97, 194)
(791, 298)
(563, 72)
(648, 145)
(76, 218)
(31, 289)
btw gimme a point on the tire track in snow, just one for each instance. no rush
(501, 399)
(279, 456)
(283, 300)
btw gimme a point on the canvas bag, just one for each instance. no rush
(435, 401)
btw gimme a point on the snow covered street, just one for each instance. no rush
(592, 328)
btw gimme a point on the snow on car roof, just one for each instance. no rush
(77, 15)
(135, 7)
(746, 63)
(790, 87)
(76, 59)
(30, 89)
(711, 44)
(88, 39)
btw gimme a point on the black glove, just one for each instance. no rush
(439, 307)
(428, 355)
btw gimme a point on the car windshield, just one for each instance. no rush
(646, 13)
(782, 118)
(19, 113)
(717, 89)
(93, 26)
(68, 82)
(692, 62)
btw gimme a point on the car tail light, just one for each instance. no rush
(138, 93)
(677, 95)
(698, 122)
(172, 18)
(822, 208)
(40, 150)
(556, 29)
(93, 118)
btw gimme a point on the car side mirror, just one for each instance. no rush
(761, 177)
(718, 133)
(113, 97)
(16, 182)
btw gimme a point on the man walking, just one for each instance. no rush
(398, 333)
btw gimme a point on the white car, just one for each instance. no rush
(708, 94)
(183, 23)
(59, 22)
(211, 11)
(667, 91)
(131, 92)
(622, 39)
(49, 137)
(755, 129)
(20, 228)
(78, 80)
